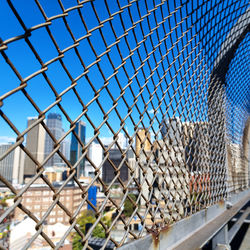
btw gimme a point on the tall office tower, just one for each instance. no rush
(7, 164)
(35, 144)
(66, 148)
(196, 133)
(54, 124)
(76, 148)
(172, 130)
(142, 141)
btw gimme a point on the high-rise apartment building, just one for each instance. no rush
(76, 147)
(195, 141)
(35, 144)
(54, 124)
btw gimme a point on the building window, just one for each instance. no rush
(51, 220)
(45, 192)
(28, 200)
(60, 219)
(37, 207)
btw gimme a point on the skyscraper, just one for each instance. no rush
(54, 124)
(172, 130)
(76, 147)
(35, 144)
(7, 164)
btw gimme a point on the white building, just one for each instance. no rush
(22, 233)
(95, 154)
(122, 140)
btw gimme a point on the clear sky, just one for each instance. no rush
(18, 108)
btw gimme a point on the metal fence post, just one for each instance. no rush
(220, 240)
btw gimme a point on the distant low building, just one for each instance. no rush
(55, 174)
(38, 198)
(22, 233)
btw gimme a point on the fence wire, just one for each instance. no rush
(154, 96)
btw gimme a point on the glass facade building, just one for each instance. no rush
(54, 123)
(76, 147)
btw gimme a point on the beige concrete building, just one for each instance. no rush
(35, 142)
(142, 141)
(166, 173)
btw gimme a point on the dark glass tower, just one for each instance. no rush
(76, 147)
(54, 123)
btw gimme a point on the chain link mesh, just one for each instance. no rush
(170, 78)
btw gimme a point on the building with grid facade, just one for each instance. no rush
(35, 144)
(38, 199)
(54, 124)
(76, 147)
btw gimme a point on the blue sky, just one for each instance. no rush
(18, 108)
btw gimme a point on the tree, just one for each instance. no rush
(88, 216)
(128, 205)
(3, 203)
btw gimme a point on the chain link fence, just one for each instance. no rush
(138, 115)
